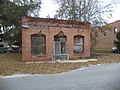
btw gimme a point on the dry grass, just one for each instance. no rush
(10, 57)
(10, 64)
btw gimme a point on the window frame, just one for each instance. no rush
(38, 54)
(78, 36)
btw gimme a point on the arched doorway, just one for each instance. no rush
(60, 47)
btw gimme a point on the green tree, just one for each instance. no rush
(117, 42)
(11, 12)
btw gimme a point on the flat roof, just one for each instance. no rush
(52, 20)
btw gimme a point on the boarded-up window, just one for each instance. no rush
(38, 45)
(78, 44)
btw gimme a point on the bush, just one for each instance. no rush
(117, 42)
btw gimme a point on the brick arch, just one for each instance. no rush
(38, 34)
(79, 36)
(60, 34)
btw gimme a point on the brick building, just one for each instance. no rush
(106, 36)
(46, 39)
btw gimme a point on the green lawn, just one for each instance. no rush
(102, 51)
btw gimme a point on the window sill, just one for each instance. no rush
(38, 55)
(78, 53)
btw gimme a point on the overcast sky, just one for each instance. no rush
(49, 8)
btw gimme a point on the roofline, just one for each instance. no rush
(113, 22)
(53, 19)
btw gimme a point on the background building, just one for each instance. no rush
(106, 35)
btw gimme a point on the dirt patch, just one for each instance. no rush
(9, 65)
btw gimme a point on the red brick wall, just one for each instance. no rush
(50, 32)
(106, 42)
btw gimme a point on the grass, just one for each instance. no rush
(10, 57)
(102, 51)
(10, 64)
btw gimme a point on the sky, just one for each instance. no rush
(116, 14)
(49, 8)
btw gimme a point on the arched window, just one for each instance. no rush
(116, 30)
(38, 44)
(78, 44)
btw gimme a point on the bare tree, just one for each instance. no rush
(84, 10)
